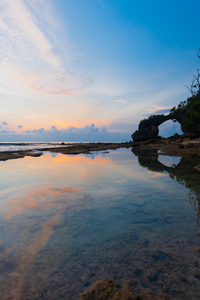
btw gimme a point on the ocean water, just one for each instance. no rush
(4, 147)
(68, 221)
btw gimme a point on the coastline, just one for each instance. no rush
(173, 146)
(185, 147)
(73, 149)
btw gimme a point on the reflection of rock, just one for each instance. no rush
(110, 289)
(184, 173)
(149, 159)
(197, 168)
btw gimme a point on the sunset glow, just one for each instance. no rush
(64, 70)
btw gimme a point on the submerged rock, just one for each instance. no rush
(197, 168)
(110, 289)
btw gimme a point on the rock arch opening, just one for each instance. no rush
(169, 128)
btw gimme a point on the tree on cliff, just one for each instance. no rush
(191, 107)
(195, 85)
(187, 113)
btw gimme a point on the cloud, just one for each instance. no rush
(163, 111)
(35, 52)
(26, 26)
(88, 133)
(40, 130)
(160, 110)
(70, 130)
(7, 131)
(4, 127)
(51, 92)
(20, 126)
(119, 101)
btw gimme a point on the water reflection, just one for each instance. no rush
(180, 169)
(67, 221)
(33, 221)
(169, 161)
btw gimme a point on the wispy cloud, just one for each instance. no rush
(22, 28)
(4, 126)
(34, 56)
(51, 92)
(159, 110)
(119, 101)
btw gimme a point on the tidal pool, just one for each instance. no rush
(68, 221)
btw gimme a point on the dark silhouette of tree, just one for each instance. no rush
(195, 85)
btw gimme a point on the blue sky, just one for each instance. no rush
(90, 70)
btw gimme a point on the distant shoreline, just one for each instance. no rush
(173, 146)
(65, 148)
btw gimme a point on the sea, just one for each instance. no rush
(9, 147)
(67, 221)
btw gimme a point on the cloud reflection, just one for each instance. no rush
(34, 219)
(157, 174)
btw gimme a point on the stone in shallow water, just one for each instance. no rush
(111, 289)
(197, 168)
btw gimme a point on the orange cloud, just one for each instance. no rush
(159, 109)
(52, 92)
(61, 124)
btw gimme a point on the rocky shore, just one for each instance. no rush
(186, 146)
(177, 145)
(66, 149)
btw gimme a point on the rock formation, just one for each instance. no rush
(148, 128)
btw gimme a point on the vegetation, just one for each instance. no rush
(191, 123)
(151, 118)
(186, 112)
(191, 107)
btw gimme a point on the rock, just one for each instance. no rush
(162, 297)
(190, 145)
(149, 128)
(145, 134)
(197, 168)
(106, 289)
(198, 250)
(103, 289)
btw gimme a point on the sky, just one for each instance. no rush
(90, 70)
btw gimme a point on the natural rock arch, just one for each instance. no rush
(148, 128)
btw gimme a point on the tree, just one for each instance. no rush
(195, 85)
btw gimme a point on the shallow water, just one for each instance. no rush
(68, 221)
(10, 147)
